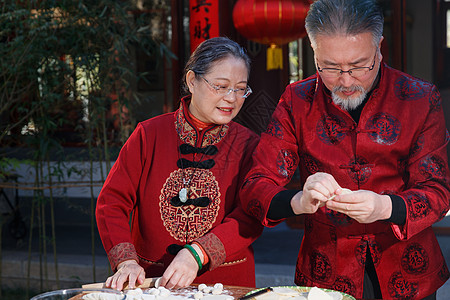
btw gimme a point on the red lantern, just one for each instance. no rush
(271, 22)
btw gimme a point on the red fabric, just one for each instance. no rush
(144, 179)
(398, 147)
(203, 21)
(199, 125)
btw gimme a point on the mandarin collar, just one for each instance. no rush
(190, 135)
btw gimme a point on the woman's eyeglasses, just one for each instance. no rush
(225, 90)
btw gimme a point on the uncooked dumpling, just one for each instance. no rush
(343, 192)
(317, 294)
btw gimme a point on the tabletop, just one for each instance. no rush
(238, 291)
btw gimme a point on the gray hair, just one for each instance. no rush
(211, 51)
(344, 17)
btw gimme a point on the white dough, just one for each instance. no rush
(272, 296)
(134, 292)
(163, 292)
(217, 291)
(317, 294)
(198, 295)
(101, 296)
(343, 192)
(299, 297)
(218, 286)
(283, 291)
(335, 295)
(153, 291)
(201, 286)
(218, 297)
(157, 282)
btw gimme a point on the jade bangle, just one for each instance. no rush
(195, 254)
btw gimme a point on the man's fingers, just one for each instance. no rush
(340, 191)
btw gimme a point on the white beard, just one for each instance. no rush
(348, 103)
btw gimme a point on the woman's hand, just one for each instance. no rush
(128, 270)
(182, 270)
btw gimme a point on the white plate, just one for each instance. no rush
(306, 289)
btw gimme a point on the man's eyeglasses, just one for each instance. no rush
(225, 90)
(354, 72)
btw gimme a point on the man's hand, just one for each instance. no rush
(363, 206)
(128, 270)
(317, 189)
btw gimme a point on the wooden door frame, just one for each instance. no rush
(399, 34)
(439, 42)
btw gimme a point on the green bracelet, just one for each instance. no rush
(194, 253)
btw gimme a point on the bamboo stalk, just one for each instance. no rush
(52, 219)
(1, 254)
(92, 225)
(44, 231)
(30, 239)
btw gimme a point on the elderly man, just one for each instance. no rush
(359, 125)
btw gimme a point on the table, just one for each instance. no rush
(238, 291)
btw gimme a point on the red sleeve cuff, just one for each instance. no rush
(120, 253)
(214, 249)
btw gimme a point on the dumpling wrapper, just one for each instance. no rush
(317, 294)
(280, 293)
(343, 192)
(284, 291)
(299, 297)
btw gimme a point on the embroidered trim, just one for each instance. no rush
(120, 253)
(151, 262)
(214, 248)
(182, 222)
(225, 264)
(234, 262)
(188, 134)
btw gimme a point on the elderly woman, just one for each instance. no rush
(178, 177)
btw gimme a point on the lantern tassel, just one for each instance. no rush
(274, 57)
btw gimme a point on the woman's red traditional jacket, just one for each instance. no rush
(146, 177)
(398, 147)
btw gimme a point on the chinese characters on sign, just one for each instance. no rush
(204, 21)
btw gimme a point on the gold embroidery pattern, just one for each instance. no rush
(151, 262)
(189, 136)
(185, 131)
(120, 253)
(234, 262)
(215, 135)
(186, 223)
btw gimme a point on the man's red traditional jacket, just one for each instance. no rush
(145, 182)
(398, 147)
